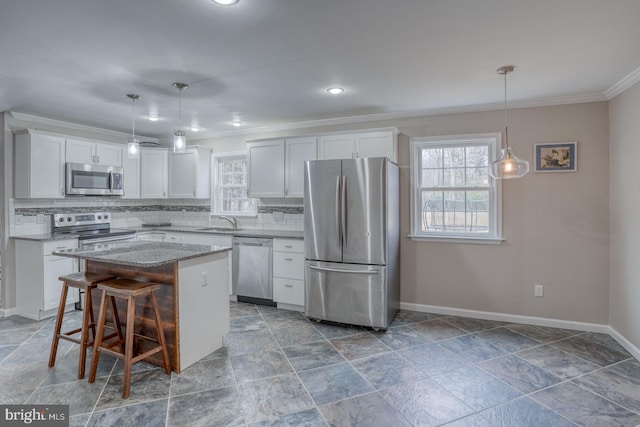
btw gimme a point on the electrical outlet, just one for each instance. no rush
(17, 220)
(203, 279)
(538, 290)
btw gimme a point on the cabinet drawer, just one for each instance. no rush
(288, 291)
(288, 265)
(280, 245)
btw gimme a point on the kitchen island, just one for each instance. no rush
(193, 298)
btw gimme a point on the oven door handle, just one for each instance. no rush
(111, 181)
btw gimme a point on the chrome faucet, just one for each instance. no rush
(232, 220)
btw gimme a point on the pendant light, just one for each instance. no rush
(179, 136)
(133, 148)
(507, 165)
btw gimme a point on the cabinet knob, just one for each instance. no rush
(288, 286)
(288, 259)
(288, 246)
(62, 191)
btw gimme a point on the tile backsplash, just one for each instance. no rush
(34, 216)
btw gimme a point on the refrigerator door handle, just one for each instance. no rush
(340, 270)
(338, 206)
(344, 210)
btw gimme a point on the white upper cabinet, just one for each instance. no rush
(153, 173)
(363, 144)
(92, 152)
(39, 165)
(131, 171)
(266, 168)
(297, 151)
(190, 174)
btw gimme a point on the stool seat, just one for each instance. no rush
(85, 282)
(129, 290)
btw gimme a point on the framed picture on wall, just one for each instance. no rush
(556, 157)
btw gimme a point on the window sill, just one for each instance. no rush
(245, 215)
(456, 239)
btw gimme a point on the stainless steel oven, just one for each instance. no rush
(94, 180)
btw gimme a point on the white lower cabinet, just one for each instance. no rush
(288, 273)
(37, 270)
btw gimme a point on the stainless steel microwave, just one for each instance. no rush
(94, 180)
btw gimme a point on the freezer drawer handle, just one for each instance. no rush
(339, 270)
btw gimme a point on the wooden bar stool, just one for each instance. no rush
(128, 290)
(85, 282)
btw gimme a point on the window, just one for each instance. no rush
(453, 197)
(229, 189)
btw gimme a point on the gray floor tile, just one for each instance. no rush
(591, 351)
(203, 375)
(359, 346)
(149, 414)
(432, 358)
(542, 333)
(300, 334)
(256, 366)
(18, 336)
(145, 386)
(367, 410)
(387, 370)
(472, 325)
(401, 337)
(628, 368)
(79, 395)
(475, 420)
(239, 309)
(17, 379)
(222, 352)
(136, 367)
(473, 348)
(508, 339)
(585, 408)
(247, 324)
(333, 383)
(282, 318)
(15, 397)
(219, 407)
(312, 355)
(519, 373)
(273, 397)
(6, 350)
(524, 412)
(250, 342)
(79, 420)
(18, 322)
(617, 388)
(66, 367)
(331, 331)
(426, 403)
(476, 388)
(437, 330)
(605, 340)
(407, 317)
(308, 418)
(559, 363)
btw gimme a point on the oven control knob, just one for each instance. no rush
(105, 217)
(99, 217)
(68, 219)
(61, 219)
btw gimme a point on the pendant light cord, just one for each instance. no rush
(179, 108)
(133, 118)
(506, 126)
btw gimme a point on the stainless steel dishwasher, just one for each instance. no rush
(252, 270)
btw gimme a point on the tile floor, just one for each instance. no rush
(279, 369)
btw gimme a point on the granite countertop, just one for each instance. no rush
(140, 254)
(277, 234)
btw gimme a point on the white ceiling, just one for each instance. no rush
(268, 62)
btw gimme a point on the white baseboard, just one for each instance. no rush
(531, 320)
(635, 351)
(7, 312)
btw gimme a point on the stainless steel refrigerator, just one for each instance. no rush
(352, 241)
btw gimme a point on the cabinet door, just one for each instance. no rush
(131, 171)
(173, 238)
(153, 174)
(54, 267)
(109, 154)
(266, 169)
(183, 175)
(80, 151)
(46, 167)
(297, 151)
(376, 144)
(150, 237)
(336, 147)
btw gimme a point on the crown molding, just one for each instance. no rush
(540, 102)
(74, 126)
(623, 84)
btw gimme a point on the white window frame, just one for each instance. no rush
(494, 140)
(215, 187)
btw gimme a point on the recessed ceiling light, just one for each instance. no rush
(226, 2)
(335, 90)
(195, 129)
(154, 118)
(236, 123)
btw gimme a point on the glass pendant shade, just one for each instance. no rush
(133, 148)
(179, 141)
(508, 165)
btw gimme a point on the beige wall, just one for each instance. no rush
(556, 225)
(624, 305)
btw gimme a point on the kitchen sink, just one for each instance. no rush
(219, 229)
